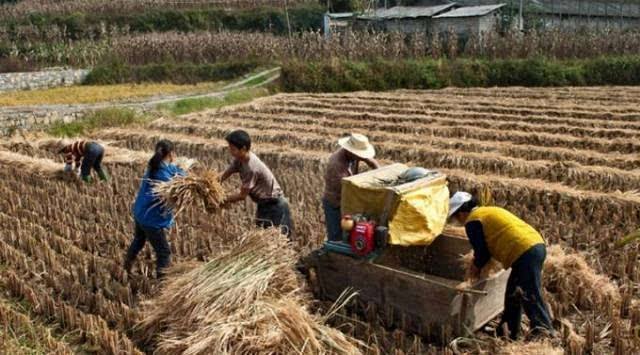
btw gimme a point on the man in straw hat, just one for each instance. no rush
(496, 232)
(343, 163)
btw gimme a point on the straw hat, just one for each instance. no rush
(358, 145)
(457, 200)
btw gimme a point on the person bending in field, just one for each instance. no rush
(151, 218)
(496, 232)
(84, 155)
(344, 162)
(258, 183)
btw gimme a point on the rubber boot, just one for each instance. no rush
(88, 179)
(103, 175)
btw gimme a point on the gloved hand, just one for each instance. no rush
(68, 168)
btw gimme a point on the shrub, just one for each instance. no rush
(115, 72)
(344, 75)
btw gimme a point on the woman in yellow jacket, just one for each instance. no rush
(496, 232)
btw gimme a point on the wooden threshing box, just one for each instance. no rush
(416, 284)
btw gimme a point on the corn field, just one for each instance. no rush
(51, 47)
(565, 159)
(26, 7)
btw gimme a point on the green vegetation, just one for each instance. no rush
(117, 72)
(335, 76)
(110, 117)
(90, 25)
(185, 106)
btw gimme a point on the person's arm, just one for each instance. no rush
(240, 196)
(233, 168)
(372, 163)
(179, 171)
(481, 254)
(248, 183)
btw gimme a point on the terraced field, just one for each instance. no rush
(564, 159)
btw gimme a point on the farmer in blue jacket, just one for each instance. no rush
(152, 219)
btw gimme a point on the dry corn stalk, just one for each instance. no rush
(183, 191)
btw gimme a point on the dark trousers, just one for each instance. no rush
(524, 290)
(274, 213)
(158, 240)
(332, 217)
(93, 155)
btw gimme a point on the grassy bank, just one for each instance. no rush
(185, 106)
(105, 118)
(116, 72)
(378, 75)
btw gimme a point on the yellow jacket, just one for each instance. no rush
(507, 237)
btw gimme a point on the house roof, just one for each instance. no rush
(595, 8)
(398, 12)
(471, 11)
(340, 15)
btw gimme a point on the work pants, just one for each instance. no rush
(275, 213)
(93, 155)
(524, 290)
(158, 239)
(332, 217)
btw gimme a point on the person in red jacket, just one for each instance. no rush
(84, 155)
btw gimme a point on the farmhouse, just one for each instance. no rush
(468, 21)
(585, 14)
(434, 19)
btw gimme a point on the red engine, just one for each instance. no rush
(362, 238)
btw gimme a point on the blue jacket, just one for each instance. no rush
(146, 210)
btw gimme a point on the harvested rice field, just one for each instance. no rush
(564, 159)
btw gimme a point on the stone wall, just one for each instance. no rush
(41, 79)
(26, 118)
(18, 119)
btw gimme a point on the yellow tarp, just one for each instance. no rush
(416, 216)
(363, 193)
(420, 216)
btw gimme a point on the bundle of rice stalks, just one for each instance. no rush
(185, 163)
(491, 268)
(247, 300)
(183, 191)
(27, 164)
(571, 280)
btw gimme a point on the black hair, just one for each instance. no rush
(469, 205)
(163, 148)
(239, 139)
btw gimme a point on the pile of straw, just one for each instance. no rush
(529, 348)
(183, 191)
(246, 301)
(569, 278)
(27, 164)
